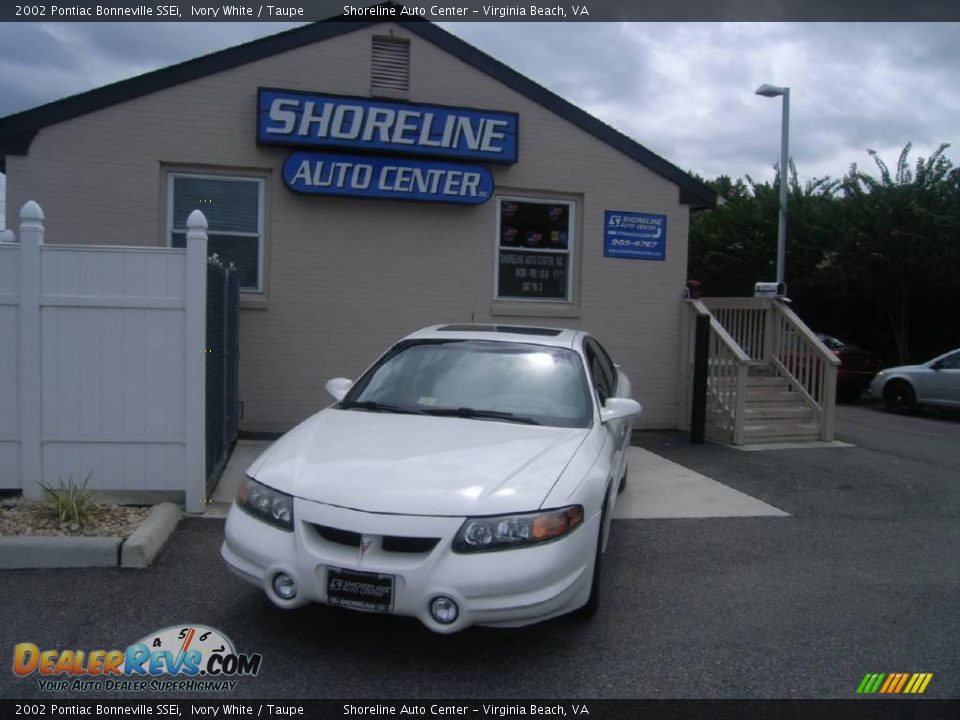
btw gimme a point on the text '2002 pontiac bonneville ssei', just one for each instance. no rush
(467, 478)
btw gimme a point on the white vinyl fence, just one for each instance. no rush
(102, 362)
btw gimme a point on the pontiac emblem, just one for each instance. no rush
(365, 543)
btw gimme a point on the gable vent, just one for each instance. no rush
(390, 65)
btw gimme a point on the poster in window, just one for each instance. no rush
(534, 225)
(534, 275)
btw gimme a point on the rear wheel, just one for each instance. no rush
(899, 397)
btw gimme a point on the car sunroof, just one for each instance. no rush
(513, 330)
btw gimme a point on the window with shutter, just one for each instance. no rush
(390, 65)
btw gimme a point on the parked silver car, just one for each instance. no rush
(936, 382)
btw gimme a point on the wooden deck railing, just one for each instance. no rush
(761, 332)
(727, 366)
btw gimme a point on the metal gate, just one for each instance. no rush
(223, 361)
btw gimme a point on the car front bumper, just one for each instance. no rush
(499, 588)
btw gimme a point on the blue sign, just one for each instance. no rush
(393, 178)
(640, 236)
(287, 117)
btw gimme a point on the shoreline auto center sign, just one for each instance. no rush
(398, 129)
(640, 236)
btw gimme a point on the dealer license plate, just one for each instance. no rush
(359, 590)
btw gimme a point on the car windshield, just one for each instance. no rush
(478, 379)
(836, 344)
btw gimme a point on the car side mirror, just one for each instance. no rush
(338, 387)
(615, 408)
(937, 365)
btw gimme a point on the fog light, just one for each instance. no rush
(444, 609)
(284, 586)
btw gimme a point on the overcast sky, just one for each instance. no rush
(684, 90)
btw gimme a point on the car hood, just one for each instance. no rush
(418, 465)
(903, 369)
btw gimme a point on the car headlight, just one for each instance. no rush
(267, 504)
(483, 534)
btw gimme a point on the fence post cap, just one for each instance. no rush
(31, 211)
(196, 221)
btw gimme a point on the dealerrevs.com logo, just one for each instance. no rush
(179, 658)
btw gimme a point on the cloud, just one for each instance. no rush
(41, 62)
(684, 90)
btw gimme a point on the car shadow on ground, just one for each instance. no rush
(924, 411)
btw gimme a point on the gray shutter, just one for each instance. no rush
(390, 64)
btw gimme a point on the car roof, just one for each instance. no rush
(558, 337)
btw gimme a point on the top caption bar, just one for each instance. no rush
(487, 11)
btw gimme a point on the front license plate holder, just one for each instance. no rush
(359, 590)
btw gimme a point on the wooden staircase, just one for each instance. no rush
(769, 379)
(774, 412)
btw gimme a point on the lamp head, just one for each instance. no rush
(771, 90)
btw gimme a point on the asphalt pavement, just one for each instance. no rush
(861, 576)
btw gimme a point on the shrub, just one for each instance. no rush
(70, 502)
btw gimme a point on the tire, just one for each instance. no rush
(593, 602)
(899, 397)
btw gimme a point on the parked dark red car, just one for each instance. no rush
(857, 367)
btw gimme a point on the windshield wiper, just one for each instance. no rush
(380, 407)
(471, 413)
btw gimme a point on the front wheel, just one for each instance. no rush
(899, 397)
(593, 602)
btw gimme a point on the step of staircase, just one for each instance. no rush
(772, 394)
(797, 412)
(759, 368)
(756, 381)
(780, 431)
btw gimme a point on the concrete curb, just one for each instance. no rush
(18, 553)
(147, 540)
(138, 551)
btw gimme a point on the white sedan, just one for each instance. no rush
(467, 478)
(935, 383)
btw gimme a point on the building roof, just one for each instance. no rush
(17, 131)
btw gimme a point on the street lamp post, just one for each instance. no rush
(773, 91)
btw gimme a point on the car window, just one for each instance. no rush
(546, 384)
(951, 362)
(602, 371)
(606, 364)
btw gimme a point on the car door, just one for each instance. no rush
(945, 380)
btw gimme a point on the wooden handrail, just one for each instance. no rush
(724, 336)
(797, 324)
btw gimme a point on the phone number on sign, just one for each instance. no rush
(620, 242)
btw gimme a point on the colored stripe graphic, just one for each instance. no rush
(871, 683)
(894, 683)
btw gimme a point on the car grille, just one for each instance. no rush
(389, 543)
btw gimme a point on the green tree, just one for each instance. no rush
(875, 260)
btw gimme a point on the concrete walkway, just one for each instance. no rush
(656, 488)
(660, 488)
(244, 453)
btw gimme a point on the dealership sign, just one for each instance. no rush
(640, 236)
(394, 178)
(288, 117)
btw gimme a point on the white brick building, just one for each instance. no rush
(331, 281)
